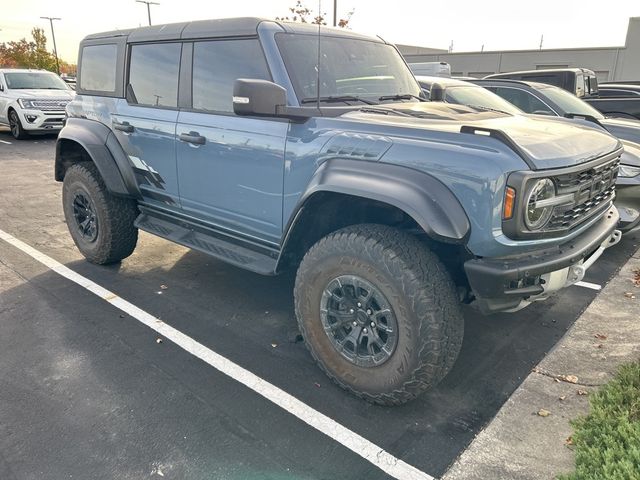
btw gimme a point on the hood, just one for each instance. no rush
(548, 142)
(631, 154)
(624, 129)
(44, 93)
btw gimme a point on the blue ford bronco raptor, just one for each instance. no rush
(276, 146)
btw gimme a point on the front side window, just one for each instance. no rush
(98, 68)
(570, 103)
(34, 81)
(523, 100)
(348, 67)
(217, 64)
(153, 74)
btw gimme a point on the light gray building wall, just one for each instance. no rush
(609, 63)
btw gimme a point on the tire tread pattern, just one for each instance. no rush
(426, 284)
(118, 236)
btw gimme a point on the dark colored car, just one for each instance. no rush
(543, 99)
(582, 82)
(619, 90)
(456, 91)
(620, 100)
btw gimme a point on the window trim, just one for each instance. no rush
(128, 73)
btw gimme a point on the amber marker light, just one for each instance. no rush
(509, 203)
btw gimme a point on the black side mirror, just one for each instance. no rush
(258, 97)
(1, 88)
(436, 94)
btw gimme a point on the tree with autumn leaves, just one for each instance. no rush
(301, 13)
(31, 54)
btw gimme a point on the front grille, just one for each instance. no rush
(592, 189)
(50, 105)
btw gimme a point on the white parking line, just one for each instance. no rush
(4, 141)
(354, 442)
(592, 286)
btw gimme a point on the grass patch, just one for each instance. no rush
(607, 441)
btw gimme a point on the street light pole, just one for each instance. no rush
(335, 13)
(148, 7)
(53, 36)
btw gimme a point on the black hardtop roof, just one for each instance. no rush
(221, 27)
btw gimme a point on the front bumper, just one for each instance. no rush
(628, 202)
(37, 120)
(511, 283)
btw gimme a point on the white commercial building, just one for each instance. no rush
(609, 63)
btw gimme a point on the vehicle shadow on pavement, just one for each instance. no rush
(249, 319)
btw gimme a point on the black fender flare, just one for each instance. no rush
(423, 197)
(105, 151)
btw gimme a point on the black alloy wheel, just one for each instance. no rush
(359, 321)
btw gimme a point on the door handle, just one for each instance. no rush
(123, 127)
(192, 137)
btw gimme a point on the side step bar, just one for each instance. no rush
(207, 241)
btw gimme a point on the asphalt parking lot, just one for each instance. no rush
(87, 391)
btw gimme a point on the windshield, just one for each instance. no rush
(348, 68)
(34, 80)
(570, 103)
(478, 97)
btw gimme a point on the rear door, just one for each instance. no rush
(230, 168)
(145, 123)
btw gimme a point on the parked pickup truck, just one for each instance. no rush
(617, 106)
(582, 82)
(228, 137)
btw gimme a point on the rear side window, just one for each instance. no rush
(153, 74)
(98, 68)
(217, 64)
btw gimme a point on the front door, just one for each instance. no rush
(230, 168)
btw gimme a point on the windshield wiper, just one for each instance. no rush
(402, 96)
(384, 111)
(338, 98)
(488, 109)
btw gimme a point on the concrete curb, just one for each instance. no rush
(521, 444)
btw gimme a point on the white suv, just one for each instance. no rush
(32, 101)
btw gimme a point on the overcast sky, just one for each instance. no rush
(498, 25)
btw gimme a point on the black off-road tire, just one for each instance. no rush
(418, 288)
(116, 235)
(15, 125)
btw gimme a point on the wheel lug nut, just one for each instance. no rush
(355, 324)
(359, 304)
(364, 330)
(351, 310)
(369, 312)
(373, 324)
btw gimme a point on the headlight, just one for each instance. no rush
(24, 103)
(627, 171)
(539, 208)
